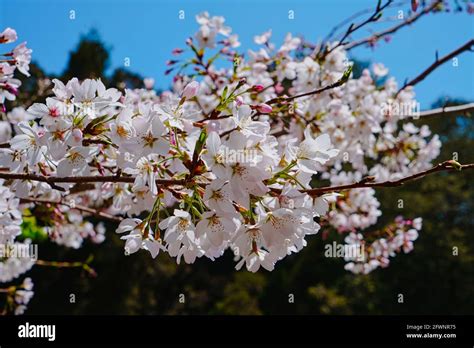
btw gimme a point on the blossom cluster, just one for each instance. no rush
(23, 296)
(401, 235)
(223, 161)
(18, 297)
(228, 201)
(10, 221)
(19, 58)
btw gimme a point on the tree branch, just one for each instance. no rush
(65, 264)
(466, 109)
(92, 211)
(353, 28)
(368, 181)
(336, 84)
(353, 17)
(83, 179)
(408, 21)
(438, 62)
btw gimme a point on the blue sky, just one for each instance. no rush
(146, 31)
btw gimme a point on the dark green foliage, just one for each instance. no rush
(31, 230)
(122, 79)
(89, 60)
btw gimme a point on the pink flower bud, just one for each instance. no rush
(414, 5)
(191, 89)
(172, 138)
(7, 69)
(149, 83)
(470, 8)
(11, 89)
(177, 51)
(264, 108)
(279, 88)
(258, 88)
(8, 35)
(77, 134)
(399, 219)
(213, 126)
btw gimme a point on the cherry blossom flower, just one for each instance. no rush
(312, 151)
(263, 39)
(30, 142)
(75, 162)
(145, 174)
(8, 35)
(191, 89)
(22, 56)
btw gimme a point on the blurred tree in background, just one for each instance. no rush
(431, 279)
(89, 60)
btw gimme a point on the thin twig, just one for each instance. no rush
(65, 264)
(376, 36)
(347, 21)
(92, 211)
(336, 84)
(355, 16)
(353, 28)
(438, 62)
